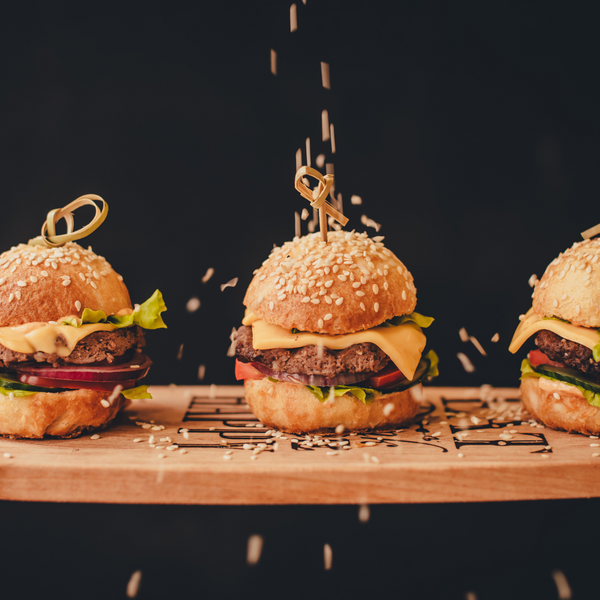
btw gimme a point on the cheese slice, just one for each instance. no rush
(403, 343)
(46, 337)
(534, 323)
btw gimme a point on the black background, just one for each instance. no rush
(470, 130)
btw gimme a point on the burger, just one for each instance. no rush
(560, 382)
(330, 337)
(70, 341)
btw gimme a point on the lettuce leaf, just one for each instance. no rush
(416, 318)
(528, 371)
(137, 393)
(366, 395)
(433, 365)
(596, 351)
(5, 391)
(148, 316)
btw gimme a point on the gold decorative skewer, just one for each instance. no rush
(51, 240)
(318, 197)
(591, 232)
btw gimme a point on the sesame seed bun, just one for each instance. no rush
(33, 284)
(570, 411)
(291, 407)
(349, 284)
(570, 287)
(63, 414)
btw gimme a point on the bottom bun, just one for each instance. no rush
(291, 407)
(63, 414)
(570, 411)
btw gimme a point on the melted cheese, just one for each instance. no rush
(403, 344)
(533, 323)
(45, 337)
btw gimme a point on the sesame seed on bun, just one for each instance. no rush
(351, 283)
(570, 287)
(39, 284)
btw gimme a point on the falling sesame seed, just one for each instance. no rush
(193, 304)
(466, 363)
(230, 283)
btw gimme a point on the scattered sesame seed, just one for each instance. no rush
(95, 437)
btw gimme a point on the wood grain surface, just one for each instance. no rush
(466, 445)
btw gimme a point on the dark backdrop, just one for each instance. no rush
(470, 130)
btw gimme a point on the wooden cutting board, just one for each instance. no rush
(461, 448)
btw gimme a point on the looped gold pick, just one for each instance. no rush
(591, 232)
(49, 237)
(318, 197)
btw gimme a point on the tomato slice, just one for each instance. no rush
(391, 375)
(74, 385)
(537, 357)
(246, 371)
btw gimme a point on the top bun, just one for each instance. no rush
(570, 287)
(348, 284)
(34, 288)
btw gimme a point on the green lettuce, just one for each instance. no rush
(433, 365)
(148, 316)
(137, 393)
(528, 371)
(416, 318)
(5, 391)
(596, 351)
(366, 395)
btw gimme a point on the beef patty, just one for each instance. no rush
(569, 353)
(96, 347)
(359, 358)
